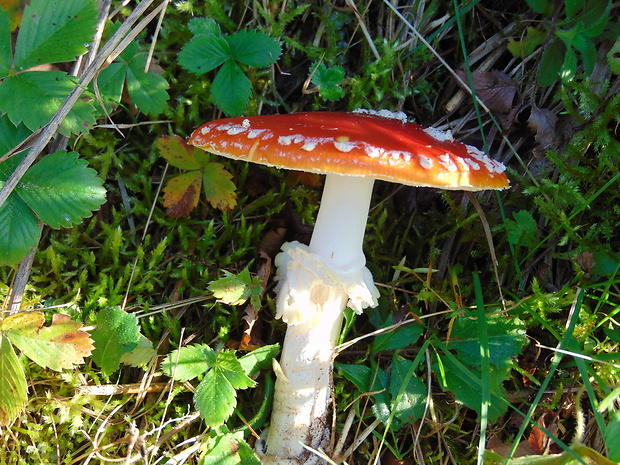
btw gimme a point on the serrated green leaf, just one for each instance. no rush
(215, 398)
(259, 359)
(116, 334)
(6, 58)
(34, 97)
(54, 31)
(147, 90)
(10, 136)
(204, 53)
(218, 188)
(19, 230)
(234, 289)
(328, 81)
(204, 26)
(180, 154)
(229, 365)
(62, 345)
(61, 189)
(254, 48)
(572, 7)
(12, 383)
(231, 89)
(506, 338)
(188, 362)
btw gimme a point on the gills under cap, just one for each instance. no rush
(381, 145)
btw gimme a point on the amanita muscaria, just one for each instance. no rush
(317, 282)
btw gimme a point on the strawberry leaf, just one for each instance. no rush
(34, 97)
(218, 187)
(231, 89)
(181, 194)
(116, 334)
(188, 362)
(61, 189)
(62, 345)
(12, 383)
(254, 48)
(216, 396)
(180, 154)
(19, 230)
(54, 31)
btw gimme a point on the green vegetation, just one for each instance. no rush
(136, 272)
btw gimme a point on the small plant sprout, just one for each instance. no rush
(317, 282)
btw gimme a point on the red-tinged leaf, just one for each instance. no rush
(218, 187)
(538, 440)
(13, 388)
(179, 154)
(181, 194)
(62, 345)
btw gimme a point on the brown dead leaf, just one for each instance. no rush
(543, 123)
(540, 442)
(498, 92)
(503, 449)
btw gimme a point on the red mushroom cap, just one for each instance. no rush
(361, 143)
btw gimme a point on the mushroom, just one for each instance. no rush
(317, 282)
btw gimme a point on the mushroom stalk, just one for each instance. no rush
(316, 283)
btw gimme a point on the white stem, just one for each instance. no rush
(316, 284)
(338, 234)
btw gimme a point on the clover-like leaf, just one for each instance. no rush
(216, 396)
(62, 345)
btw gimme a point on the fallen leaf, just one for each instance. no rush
(181, 194)
(543, 123)
(540, 442)
(498, 92)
